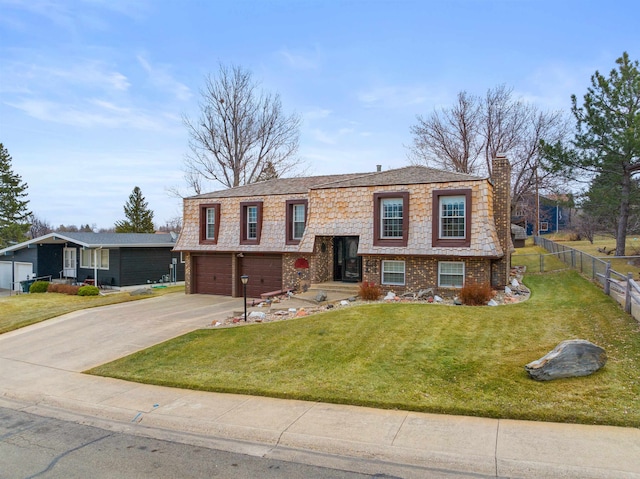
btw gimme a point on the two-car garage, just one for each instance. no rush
(214, 274)
(12, 273)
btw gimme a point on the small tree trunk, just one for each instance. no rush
(623, 219)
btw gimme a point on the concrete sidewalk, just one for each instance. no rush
(40, 372)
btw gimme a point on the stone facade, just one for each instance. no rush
(349, 212)
(421, 272)
(501, 176)
(343, 206)
(320, 266)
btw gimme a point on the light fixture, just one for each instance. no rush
(245, 279)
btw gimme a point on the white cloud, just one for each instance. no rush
(393, 96)
(93, 113)
(70, 16)
(551, 86)
(21, 76)
(160, 77)
(317, 114)
(301, 60)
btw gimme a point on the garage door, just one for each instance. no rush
(21, 272)
(265, 274)
(6, 276)
(212, 274)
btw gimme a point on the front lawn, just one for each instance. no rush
(422, 357)
(25, 309)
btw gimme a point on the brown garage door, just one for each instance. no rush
(265, 274)
(212, 274)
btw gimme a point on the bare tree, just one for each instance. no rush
(466, 137)
(524, 154)
(450, 138)
(39, 227)
(504, 122)
(240, 131)
(172, 225)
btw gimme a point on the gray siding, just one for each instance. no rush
(27, 255)
(49, 260)
(144, 265)
(107, 277)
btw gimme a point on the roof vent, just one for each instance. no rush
(378, 168)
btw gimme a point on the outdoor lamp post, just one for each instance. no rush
(244, 278)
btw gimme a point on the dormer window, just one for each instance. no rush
(451, 218)
(251, 222)
(209, 223)
(391, 218)
(296, 220)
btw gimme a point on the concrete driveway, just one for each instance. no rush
(83, 339)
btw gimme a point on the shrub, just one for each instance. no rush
(475, 294)
(88, 291)
(63, 288)
(39, 287)
(369, 291)
(574, 236)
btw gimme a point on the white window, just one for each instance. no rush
(450, 274)
(88, 258)
(252, 222)
(211, 224)
(452, 217)
(298, 221)
(393, 272)
(544, 226)
(391, 218)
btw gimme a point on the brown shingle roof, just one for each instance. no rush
(287, 186)
(409, 175)
(278, 186)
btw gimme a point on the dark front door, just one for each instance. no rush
(347, 265)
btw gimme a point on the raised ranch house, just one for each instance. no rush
(406, 229)
(115, 259)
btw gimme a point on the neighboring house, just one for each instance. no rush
(553, 210)
(405, 229)
(518, 236)
(115, 259)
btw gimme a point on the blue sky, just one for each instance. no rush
(92, 92)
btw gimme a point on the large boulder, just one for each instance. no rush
(572, 358)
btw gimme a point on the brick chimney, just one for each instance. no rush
(501, 179)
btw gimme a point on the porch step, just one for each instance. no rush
(336, 286)
(335, 291)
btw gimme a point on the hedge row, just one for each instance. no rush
(46, 287)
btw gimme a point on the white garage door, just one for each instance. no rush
(22, 272)
(5, 274)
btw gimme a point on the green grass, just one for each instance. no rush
(622, 266)
(421, 357)
(25, 309)
(530, 257)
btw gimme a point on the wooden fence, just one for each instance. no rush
(622, 287)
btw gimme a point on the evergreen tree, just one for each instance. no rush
(602, 202)
(139, 216)
(607, 140)
(14, 215)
